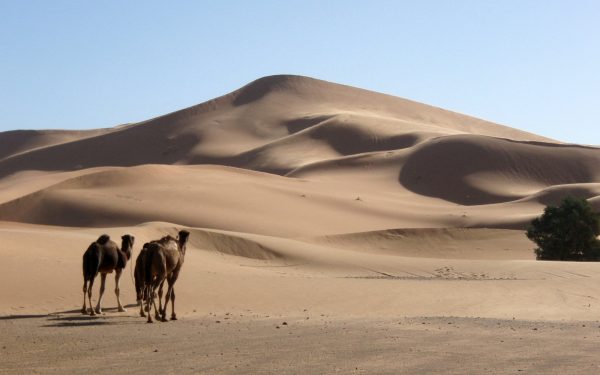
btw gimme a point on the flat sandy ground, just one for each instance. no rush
(221, 343)
(315, 309)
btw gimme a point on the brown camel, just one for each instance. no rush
(104, 256)
(163, 261)
(138, 275)
(140, 290)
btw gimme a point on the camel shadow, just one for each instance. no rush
(74, 318)
(83, 321)
(23, 316)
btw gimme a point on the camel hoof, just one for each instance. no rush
(84, 311)
(142, 314)
(173, 317)
(122, 309)
(92, 313)
(149, 321)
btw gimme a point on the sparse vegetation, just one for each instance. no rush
(567, 232)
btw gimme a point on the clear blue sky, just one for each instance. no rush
(532, 65)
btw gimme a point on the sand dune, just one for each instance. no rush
(246, 201)
(472, 170)
(232, 129)
(213, 197)
(302, 195)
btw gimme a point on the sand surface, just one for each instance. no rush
(310, 343)
(365, 213)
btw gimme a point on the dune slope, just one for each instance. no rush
(246, 128)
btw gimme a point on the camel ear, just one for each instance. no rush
(128, 237)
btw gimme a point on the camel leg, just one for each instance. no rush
(142, 302)
(167, 298)
(151, 296)
(117, 290)
(173, 315)
(84, 308)
(154, 302)
(148, 303)
(102, 286)
(160, 296)
(145, 296)
(172, 281)
(89, 294)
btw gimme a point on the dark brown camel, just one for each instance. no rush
(163, 261)
(140, 290)
(138, 275)
(104, 256)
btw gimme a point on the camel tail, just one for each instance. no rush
(91, 261)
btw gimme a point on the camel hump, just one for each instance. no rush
(103, 239)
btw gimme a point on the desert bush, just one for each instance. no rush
(567, 232)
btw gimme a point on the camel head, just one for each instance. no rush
(127, 244)
(183, 239)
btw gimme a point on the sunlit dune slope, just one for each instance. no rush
(306, 119)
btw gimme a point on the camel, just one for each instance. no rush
(138, 275)
(163, 261)
(140, 290)
(104, 256)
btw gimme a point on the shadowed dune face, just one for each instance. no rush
(20, 141)
(336, 137)
(472, 170)
(131, 146)
(555, 194)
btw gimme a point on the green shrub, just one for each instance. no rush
(567, 232)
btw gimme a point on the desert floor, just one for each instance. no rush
(309, 343)
(315, 308)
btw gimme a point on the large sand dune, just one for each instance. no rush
(248, 127)
(302, 195)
